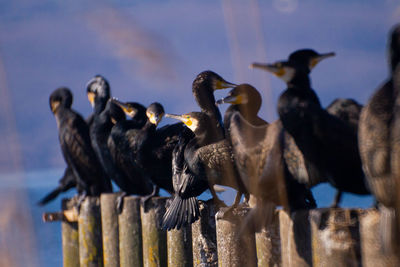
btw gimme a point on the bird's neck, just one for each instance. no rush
(60, 115)
(249, 112)
(99, 104)
(149, 127)
(300, 81)
(206, 101)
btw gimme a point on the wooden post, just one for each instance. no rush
(335, 237)
(109, 223)
(235, 247)
(180, 247)
(204, 239)
(70, 237)
(295, 236)
(154, 239)
(371, 244)
(130, 233)
(268, 244)
(89, 225)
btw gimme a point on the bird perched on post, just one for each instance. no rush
(328, 144)
(203, 163)
(379, 145)
(105, 113)
(255, 145)
(121, 146)
(203, 88)
(151, 148)
(98, 92)
(76, 147)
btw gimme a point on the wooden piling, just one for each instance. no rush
(154, 239)
(371, 245)
(295, 236)
(268, 244)
(335, 237)
(130, 233)
(179, 244)
(235, 246)
(90, 238)
(109, 224)
(70, 237)
(204, 238)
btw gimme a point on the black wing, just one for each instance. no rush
(77, 150)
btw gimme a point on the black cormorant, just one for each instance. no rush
(346, 109)
(76, 146)
(121, 144)
(378, 142)
(151, 148)
(203, 88)
(328, 144)
(198, 166)
(98, 91)
(100, 133)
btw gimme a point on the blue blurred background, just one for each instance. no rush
(151, 51)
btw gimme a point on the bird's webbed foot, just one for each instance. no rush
(79, 201)
(120, 201)
(219, 203)
(228, 211)
(337, 199)
(145, 199)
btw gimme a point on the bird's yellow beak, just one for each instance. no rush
(319, 58)
(54, 106)
(91, 97)
(186, 119)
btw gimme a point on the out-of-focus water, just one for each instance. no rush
(48, 235)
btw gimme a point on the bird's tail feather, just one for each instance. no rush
(50, 196)
(181, 212)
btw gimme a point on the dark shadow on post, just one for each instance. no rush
(70, 237)
(295, 236)
(204, 239)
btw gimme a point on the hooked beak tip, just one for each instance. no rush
(327, 55)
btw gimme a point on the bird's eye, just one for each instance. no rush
(187, 117)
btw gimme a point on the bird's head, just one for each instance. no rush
(155, 113)
(99, 87)
(212, 80)
(61, 97)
